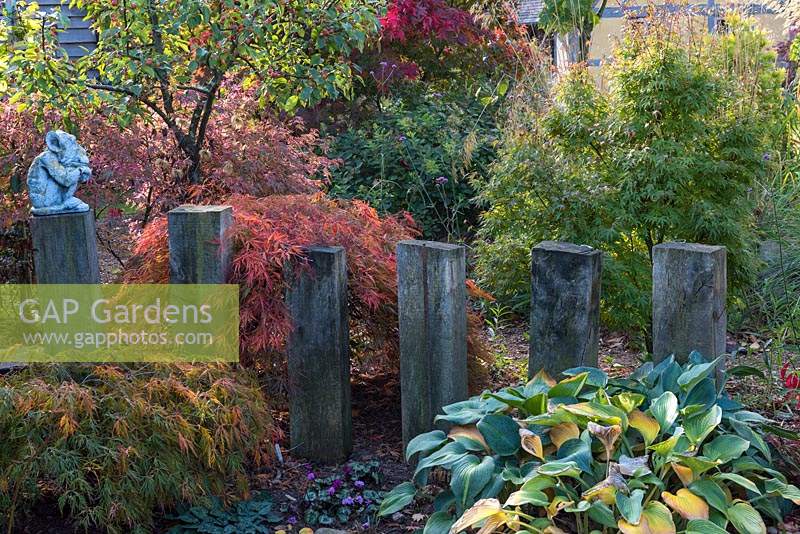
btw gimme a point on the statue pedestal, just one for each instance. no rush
(65, 248)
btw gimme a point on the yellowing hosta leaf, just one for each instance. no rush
(531, 443)
(656, 519)
(558, 504)
(665, 447)
(646, 425)
(599, 413)
(686, 503)
(684, 473)
(564, 432)
(542, 377)
(483, 509)
(627, 401)
(470, 432)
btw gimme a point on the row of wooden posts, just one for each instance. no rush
(689, 286)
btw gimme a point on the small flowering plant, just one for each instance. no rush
(662, 451)
(345, 496)
(791, 381)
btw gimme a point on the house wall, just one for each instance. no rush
(610, 29)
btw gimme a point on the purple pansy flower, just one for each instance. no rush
(347, 501)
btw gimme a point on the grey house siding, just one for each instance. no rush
(78, 38)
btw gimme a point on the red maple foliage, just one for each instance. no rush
(425, 20)
(269, 232)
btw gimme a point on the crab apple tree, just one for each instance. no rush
(170, 59)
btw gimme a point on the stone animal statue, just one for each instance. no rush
(55, 174)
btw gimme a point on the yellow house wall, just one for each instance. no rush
(610, 29)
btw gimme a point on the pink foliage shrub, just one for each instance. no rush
(248, 152)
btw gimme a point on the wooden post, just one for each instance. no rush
(65, 248)
(432, 307)
(565, 307)
(199, 250)
(689, 291)
(319, 358)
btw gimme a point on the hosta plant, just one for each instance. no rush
(661, 451)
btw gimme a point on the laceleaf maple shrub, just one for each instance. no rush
(268, 233)
(117, 446)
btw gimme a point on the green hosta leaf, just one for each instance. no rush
(602, 514)
(463, 413)
(701, 425)
(698, 464)
(578, 451)
(787, 491)
(536, 405)
(704, 394)
(665, 410)
(746, 519)
(560, 469)
(397, 499)
(738, 479)
(501, 432)
(703, 526)
(627, 401)
(744, 370)
(695, 374)
(439, 523)
(446, 456)
(596, 378)
(745, 431)
(527, 496)
(469, 476)
(725, 448)
(780, 432)
(711, 492)
(569, 387)
(630, 506)
(425, 443)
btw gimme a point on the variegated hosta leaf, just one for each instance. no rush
(608, 435)
(633, 466)
(646, 425)
(656, 519)
(469, 432)
(628, 401)
(564, 432)
(531, 443)
(484, 509)
(686, 503)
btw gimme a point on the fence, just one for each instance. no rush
(689, 289)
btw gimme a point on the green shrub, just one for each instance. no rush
(116, 445)
(418, 154)
(659, 451)
(669, 149)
